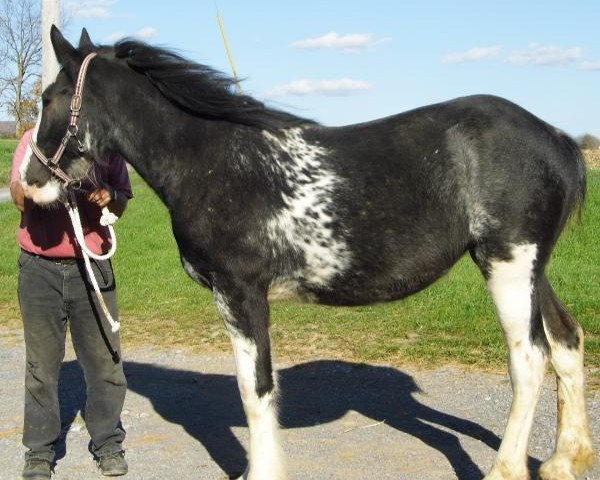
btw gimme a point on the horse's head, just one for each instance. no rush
(57, 137)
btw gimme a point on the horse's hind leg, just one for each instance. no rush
(245, 311)
(573, 453)
(510, 276)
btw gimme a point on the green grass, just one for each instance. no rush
(7, 147)
(451, 322)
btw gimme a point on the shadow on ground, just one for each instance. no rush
(207, 406)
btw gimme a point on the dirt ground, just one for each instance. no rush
(340, 420)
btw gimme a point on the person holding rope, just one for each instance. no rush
(54, 290)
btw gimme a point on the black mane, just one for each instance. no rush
(200, 90)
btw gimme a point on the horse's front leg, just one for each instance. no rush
(245, 311)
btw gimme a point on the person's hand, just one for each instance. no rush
(102, 196)
(18, 195)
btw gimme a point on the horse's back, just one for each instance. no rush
(465, 159)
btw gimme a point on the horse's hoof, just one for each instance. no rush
(556, 469)
(562, 467)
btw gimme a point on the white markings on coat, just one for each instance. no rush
(511, 285)
(306, 221)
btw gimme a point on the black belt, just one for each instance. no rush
(61, 260)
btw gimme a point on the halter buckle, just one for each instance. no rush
(76, 101)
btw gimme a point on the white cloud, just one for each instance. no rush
(545, 55)
(339, 87)
(351, 43)
(590, 65)
(473, 55)
(90, 9)
(115, 37)
(145, 33)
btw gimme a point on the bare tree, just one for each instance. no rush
(21, 48)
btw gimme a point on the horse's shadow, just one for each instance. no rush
(207, 406)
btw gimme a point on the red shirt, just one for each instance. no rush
(47, 231)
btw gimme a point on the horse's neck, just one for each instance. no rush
(170, 154)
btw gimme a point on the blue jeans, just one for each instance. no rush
(53, 294)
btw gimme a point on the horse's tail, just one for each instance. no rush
(580, 178)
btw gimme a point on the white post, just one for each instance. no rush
(50, 16)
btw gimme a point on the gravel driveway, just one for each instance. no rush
(341, 420)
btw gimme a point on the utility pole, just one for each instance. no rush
(50, 16)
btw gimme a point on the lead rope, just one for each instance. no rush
(108, 219)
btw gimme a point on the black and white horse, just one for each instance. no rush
(265, 204)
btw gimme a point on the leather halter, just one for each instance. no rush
(52, 162)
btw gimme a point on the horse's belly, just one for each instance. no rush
(354, 290)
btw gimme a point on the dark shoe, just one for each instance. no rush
(113, 464)
(37, 469)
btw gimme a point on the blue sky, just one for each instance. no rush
(342, 62)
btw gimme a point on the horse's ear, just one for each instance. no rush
(68, 57)
(85, 42)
